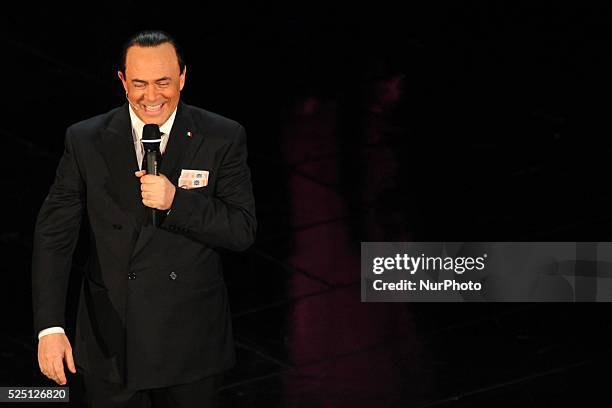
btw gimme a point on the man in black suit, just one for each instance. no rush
(153, 320)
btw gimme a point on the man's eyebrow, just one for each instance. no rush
(166, 78)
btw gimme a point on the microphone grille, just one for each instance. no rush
(151, 132)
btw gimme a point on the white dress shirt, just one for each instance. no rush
(137, 126)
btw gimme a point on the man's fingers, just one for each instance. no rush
(149, 195)
(60, 376)
(149, 179)
(140, 173)
(148, 187)
(150, 176)
(150, 203)
(70, 361)
(43, 369)
(49, 371)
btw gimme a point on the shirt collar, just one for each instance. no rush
(138, 124)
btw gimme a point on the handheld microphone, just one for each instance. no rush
(151, 162)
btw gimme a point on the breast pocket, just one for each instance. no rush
(194, 188)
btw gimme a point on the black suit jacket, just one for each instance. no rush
(153, 307)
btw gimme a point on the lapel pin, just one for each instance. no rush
(189, 135)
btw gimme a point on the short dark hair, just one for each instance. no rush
(150, 38)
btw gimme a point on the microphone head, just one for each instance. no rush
(151, 137)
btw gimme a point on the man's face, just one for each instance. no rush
(153, 81)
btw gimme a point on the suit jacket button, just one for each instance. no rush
(131, 275)
(117, 226)
(173, 275)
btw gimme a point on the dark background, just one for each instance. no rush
(498, 132)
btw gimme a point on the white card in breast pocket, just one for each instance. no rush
(193, 178)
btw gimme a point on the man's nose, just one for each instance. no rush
(151, 94)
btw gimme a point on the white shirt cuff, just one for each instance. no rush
(50, 330)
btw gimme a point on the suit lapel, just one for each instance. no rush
(181, 145)
(117, 146)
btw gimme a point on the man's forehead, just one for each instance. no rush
(161, 56)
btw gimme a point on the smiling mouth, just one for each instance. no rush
(153, 108)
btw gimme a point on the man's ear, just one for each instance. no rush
(182, 78)
(122, 78)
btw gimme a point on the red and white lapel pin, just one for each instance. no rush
(189, 135)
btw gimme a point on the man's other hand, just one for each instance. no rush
(157, 191)
(53, 349)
